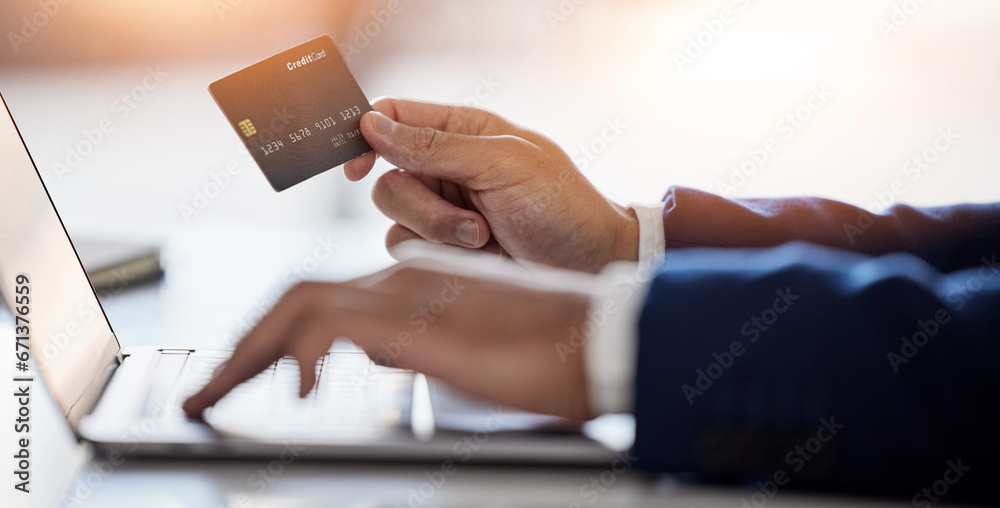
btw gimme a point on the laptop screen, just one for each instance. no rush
(71, 342)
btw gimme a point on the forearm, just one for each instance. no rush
(944, 237)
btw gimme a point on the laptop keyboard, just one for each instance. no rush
(353, 398)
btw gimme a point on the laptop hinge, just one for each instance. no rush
(176, 351)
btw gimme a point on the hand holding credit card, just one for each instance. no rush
(298, 112)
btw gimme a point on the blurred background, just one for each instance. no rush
(693, 86)
(866, 101)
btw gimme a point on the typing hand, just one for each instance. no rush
(492, 336)
(470, 178)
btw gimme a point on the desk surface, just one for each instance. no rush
(263, 485)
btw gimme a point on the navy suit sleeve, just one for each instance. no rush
(803, 366)
(948, 238)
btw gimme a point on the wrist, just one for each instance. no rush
(625, 246)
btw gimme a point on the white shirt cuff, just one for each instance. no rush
(612, 326)
(612, 329)
(652, 242)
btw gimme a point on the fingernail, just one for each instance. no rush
(468, 233)
(383, 124)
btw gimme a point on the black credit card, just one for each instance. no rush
(298, 112)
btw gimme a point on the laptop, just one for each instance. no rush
(128, 401)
